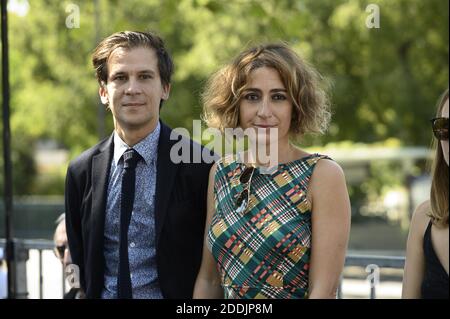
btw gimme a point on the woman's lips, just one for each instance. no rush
(263, 126)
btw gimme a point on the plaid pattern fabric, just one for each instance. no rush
(265, 251)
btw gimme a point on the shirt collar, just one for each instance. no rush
(147, 148)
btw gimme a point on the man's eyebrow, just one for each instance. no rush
(117, 73)
(146, 71)
(120, 72)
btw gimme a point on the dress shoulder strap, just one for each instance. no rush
(312, 160)
(304, 168)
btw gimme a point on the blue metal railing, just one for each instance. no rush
(372, 264)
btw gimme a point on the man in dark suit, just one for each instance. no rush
(135, 215)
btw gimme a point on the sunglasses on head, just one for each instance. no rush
(243, 199)
(440, 128)
(60, 250)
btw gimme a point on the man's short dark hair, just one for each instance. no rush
(129, 40)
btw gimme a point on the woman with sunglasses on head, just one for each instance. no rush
(280, 232)
(426, 267)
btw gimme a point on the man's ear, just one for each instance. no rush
(103, 92)
(166, 92)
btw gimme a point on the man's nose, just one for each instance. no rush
(133, 87)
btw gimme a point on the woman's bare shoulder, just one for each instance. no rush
(327, 170)
(422, 210)
(420, 217)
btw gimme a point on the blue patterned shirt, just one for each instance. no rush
(141, 232)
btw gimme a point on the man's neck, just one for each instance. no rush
(133, 136)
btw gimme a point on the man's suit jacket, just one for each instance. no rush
(180, 211)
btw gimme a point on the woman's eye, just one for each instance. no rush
(279, 97)
(251, 97)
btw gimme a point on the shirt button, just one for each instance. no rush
(132, 245)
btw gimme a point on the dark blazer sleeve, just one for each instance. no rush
(180, 214)
(85, 193)
(73, 200)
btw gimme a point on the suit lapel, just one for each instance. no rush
(165, 178)
(101, 164)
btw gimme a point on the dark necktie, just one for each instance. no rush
(130, 159)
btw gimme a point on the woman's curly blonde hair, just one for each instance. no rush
(222, 95)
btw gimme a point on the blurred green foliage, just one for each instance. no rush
(385, 82)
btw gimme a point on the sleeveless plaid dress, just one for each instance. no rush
(265, 251)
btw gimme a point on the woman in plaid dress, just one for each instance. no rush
(277, 227)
